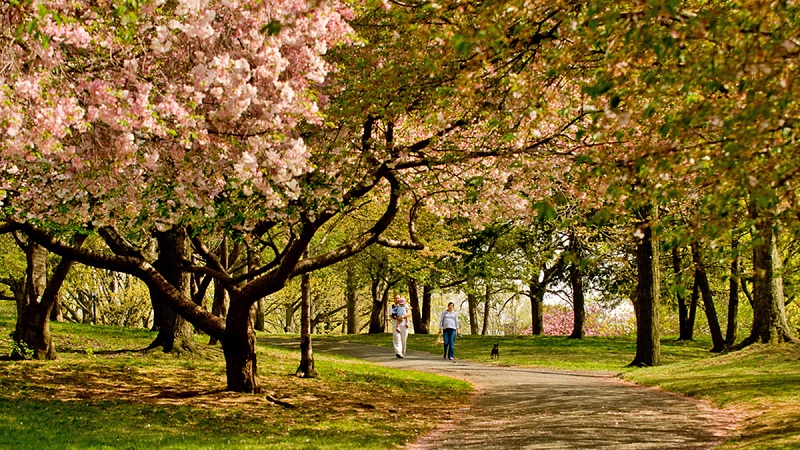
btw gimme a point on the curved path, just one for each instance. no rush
(520, 408)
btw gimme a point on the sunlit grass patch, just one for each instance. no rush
(610, 354)
(103, 392)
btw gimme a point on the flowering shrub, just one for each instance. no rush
(558, 320)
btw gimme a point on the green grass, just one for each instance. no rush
(593, 353)
(761, 383)
(95, 398)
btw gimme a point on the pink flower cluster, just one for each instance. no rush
(558, 320)
(207, 95)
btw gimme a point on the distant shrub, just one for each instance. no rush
(558, 320)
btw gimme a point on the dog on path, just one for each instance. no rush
(496, 351)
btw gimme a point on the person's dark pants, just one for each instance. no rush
(449, 335)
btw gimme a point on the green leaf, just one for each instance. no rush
(599, 88)
(462, 44)
(272, 28)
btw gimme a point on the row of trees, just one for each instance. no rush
(296, 135)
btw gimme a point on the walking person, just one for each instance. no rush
(448, 326)
(400, 313)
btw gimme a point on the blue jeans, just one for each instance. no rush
(449, 335)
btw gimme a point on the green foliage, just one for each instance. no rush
(19, 349)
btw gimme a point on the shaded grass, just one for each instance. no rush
(91, 398)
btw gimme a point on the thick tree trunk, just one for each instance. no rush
(32, 340)
(239, 347)
(684, 331)
(427, 295)
(413, 299)
(377, 319)
(306, 368)
(351, 301)
(35, 276)
(578, 302)
(472, 307)
(537, 307)
(733, 296)
(708, 299)
(175, 334)
(648, 345)
(769, 315)
(576, 282)
(32, 333)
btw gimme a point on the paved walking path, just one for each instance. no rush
(520, 408)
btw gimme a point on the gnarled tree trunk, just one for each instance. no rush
(32, 332)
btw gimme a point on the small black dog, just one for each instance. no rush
(496, 351)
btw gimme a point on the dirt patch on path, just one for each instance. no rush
(543, 409)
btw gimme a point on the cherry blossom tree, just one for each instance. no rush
(207, 116)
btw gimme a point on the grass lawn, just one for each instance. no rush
(96, 397)
(760, 384)
(103, 393)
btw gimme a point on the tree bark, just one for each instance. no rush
(648, 345)
(377, 320)
(413, 299)
(57, 313)
(684, 331)
(693, 309)
(239, 347)
(769, 315)
(32, 331)
(220, 306)
(472, 307)
(578, 302)
(733, 295)
(306, 368)
(576, 282)
(351, 301)
(175, 334)
(487, 302)
(537, 307)
(221, 303)
(427, 294)
(708, 299)
(31, 336)
(259, 313)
